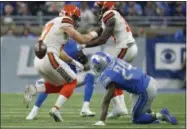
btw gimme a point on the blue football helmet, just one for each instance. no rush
(100, 61)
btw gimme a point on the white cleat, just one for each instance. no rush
(56, 115)
(99, 123)
(32, 115)
(87, 113)
(28, 93)
(117, 114)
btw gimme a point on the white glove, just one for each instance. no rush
(77, 64)
(99, 123)
(78, 69)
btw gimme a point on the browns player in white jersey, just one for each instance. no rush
(51, 61)
(114, 25)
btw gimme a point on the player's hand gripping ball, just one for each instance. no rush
(40, 49)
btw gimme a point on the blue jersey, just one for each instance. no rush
(72, 48)
(126, 77)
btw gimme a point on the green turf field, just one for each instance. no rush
(13, 113)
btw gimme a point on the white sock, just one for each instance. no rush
(35, 108)
(60, 101)
(122, 101)
(159, 116)
(85, 105)
(116, 103)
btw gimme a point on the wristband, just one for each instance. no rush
(94, 34)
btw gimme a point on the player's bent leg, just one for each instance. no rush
(88, 91)
(65, 93)
(138, 116)
(143, 104)
(164, 114)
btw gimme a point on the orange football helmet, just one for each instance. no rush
(71, 11)
(105, 4)
(101, 6)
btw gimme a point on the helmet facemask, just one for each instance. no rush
(76, 21)
(97, 11)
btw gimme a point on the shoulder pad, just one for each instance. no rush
(108, 16)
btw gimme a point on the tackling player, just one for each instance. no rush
(114, 25)
(84, 78)
(51, 61)
(117, 73)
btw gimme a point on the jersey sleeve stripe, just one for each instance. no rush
(52, 60)
(122, 53)
(66, 20)
(108, 16)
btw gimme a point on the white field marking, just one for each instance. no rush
(72, 116)
(26, 109)
(89, 121)
(66, 108)
(69, 112)
(87, 127)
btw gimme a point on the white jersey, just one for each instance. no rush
(122, 32)
(53, 35)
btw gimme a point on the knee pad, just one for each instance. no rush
(89, 78)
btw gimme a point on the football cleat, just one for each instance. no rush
(87, 113)
(99, 123)
(28, 95)
(156, 122)
(116, 114)
(56, 115)
(32, 115)
(168, 117)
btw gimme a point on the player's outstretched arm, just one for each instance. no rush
(63, 56)
(105, 34)
(106, 101)
(80, 38)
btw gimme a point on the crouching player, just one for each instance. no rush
(117, 73)
(84, 78)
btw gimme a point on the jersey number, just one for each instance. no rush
(124, 68)
(46, 30)
(128, 29)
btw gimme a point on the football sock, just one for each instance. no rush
(60, 101)
(122, 101)
(116, 103)
(65, 93)
(40, 99)
(85, 105)
(89, 86)
(35, 108)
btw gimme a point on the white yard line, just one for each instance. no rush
(67, 112)
(85, 127)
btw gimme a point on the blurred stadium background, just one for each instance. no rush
(158, 27)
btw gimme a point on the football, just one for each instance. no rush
(40, 49)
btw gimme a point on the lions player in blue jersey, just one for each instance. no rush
(116, 73)
(84, 78)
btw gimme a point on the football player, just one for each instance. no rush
(84, 78)
(114, 25)
(117, 73)
(51, 61)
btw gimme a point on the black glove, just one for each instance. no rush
(80, 57)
